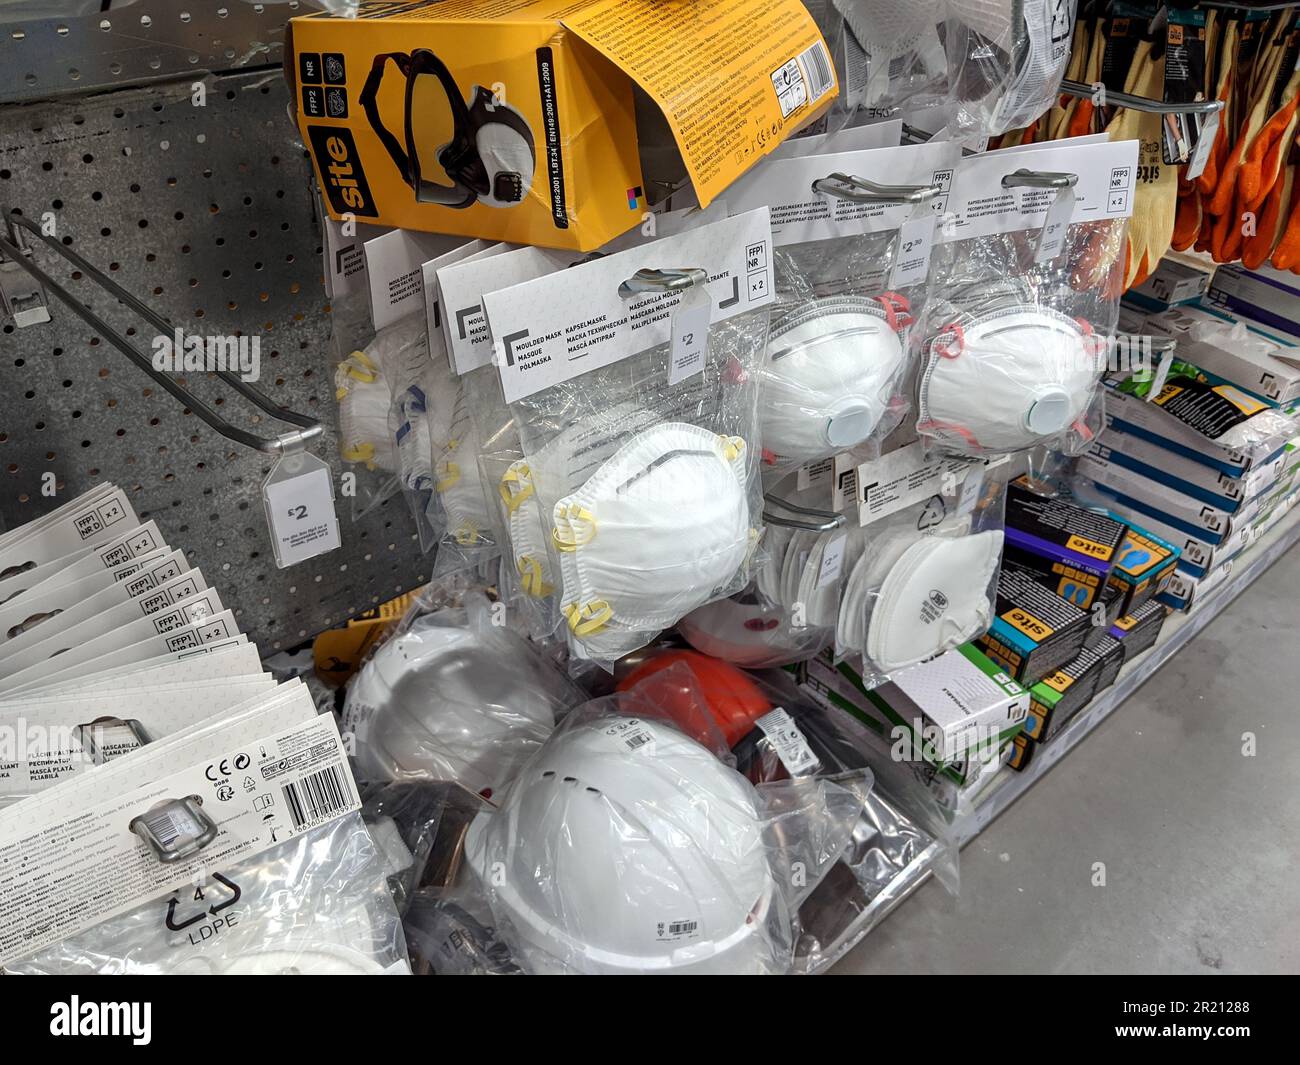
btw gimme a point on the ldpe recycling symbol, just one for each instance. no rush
(935, 511)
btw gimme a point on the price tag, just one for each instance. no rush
(1204, 145)
(832, 562)
(915, 239)
(690, 338)
(1052, 238)
(298, 495)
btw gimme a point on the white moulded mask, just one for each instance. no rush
(934, 596)
(1008, 381)
(663, 526)
(830, 373)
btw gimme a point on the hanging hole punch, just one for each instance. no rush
(176, 829)
(94, 742)
(826, 519)
(21, 296)
(860, 190)
(672, 280)
(1039, 179)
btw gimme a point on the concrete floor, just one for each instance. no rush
(1201, 845)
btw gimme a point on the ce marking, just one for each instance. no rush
(240, 762)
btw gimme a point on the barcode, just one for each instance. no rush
(817, 66)
(678, 928)
(637, 739)
(163, 827)
(317, 796)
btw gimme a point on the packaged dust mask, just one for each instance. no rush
(634, 497)
(922, 579)
(933, 595)
(453, 698)
(830, 372)
(1024, 297)
(363, 398)
(456, 154)
(457, 483)
(892, 49)
(837, 353)
(317, 905)
(1008, 381)
(625, 847)
(654, 533)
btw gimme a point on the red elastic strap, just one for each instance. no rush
(934, 428)
(1081, 427)
(898, 310)
(735, 373)
(769, 457)
(943, 343)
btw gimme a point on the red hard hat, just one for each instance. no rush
(731, 697)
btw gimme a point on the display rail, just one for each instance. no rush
(1010, 785)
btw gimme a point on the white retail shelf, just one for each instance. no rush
(1010, 785)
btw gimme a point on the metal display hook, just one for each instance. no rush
(672, 280)
(829, 519)
(286, 443)
(1142, 103)
(1039, 179)
(860, 190)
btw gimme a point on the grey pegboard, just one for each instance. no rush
(206, 213)
(139, 42)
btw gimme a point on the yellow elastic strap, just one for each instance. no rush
(467, 534)
(530, 573)
(521, 477)
(448, 475)
(589, 618)
(581, 528)
(360, 453)
(339, 393)
(366, 371)
(732, 447)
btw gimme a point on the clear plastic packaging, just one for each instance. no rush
(753, 631)
(454, 696)
(886, 53)
(1005, 61)
(317, 904)
(627, 847)
(365, 364)
(641, 496)
(427, 819)
(1012, 351)
(926, 578)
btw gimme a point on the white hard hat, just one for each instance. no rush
(626, 847)
(449, 701)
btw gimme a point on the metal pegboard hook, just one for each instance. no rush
(828, 518)
(1139, 103)
(860, 190)
(310, 428)
(671, 280)
(1039, 179)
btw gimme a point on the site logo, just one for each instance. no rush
(133, 1020)
(339, 165)
(201, 353)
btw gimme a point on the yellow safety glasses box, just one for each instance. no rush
(543, 121)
